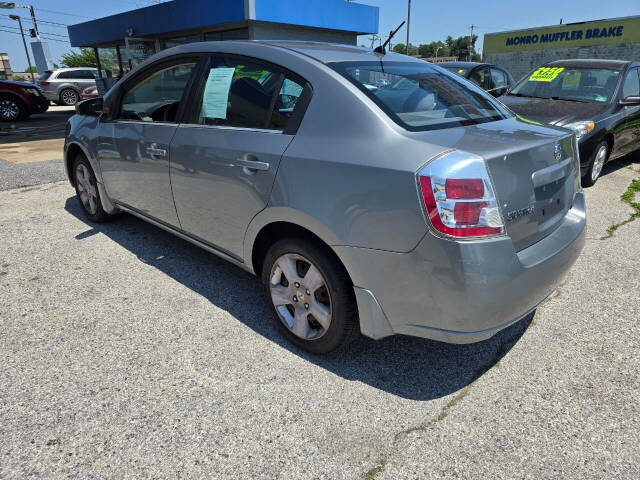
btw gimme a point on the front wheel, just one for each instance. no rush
(12, 109)
(87, 190)
(310, 295)
(598, 159)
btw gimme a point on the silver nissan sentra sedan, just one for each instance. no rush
(374, 194)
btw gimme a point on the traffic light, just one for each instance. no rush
(32, 32)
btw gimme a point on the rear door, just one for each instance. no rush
(134, 151)
(225, 156)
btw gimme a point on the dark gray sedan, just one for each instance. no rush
(373, 194)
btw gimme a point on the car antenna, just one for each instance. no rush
(381, 50)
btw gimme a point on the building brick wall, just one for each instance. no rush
(521, 63)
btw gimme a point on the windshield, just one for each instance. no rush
(593, 85)
(420, 97)
(458, 70)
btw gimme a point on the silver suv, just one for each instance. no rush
(373, 194)
(65, 85)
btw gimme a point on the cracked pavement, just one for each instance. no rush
(128, 352)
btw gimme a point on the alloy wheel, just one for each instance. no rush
(87, 190)
(598, 162)
(300, 296)
(69, 97)
(9, 110)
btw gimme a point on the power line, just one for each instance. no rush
(63, 13)
(46, 38)
(46, 33)
(27, 19)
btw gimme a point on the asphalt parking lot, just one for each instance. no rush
(129, 353)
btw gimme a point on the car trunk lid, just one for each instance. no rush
(533, 170)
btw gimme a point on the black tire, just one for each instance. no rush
(12, 109)
(69, 97)
(587, 178)
(344, 326)
(98, 215)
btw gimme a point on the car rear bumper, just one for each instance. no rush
(461, 292)
(51, 95)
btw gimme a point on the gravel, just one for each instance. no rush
(129, 353)
(16, 175)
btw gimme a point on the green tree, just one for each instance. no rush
(401, 48)
(84, 58)
(32, 68)
(428, 50)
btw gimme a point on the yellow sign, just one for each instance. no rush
(545, 74)
(601, 32)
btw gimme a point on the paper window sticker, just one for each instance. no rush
(216, 92)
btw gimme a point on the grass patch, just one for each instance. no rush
(627, 197)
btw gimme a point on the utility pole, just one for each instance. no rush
(408, 25)
(26, 50)
(471, 40)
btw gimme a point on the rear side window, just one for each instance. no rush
(45, 75)
(482, 78)
(419, 96)
(241, 93)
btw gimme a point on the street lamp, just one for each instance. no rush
(437, 52)
(10, 5)
(26, 50)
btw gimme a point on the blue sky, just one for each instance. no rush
(430, 20)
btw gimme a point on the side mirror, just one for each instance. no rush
(631, 100)
(91, 108)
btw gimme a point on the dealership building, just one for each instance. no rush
(123, 40)
(520, 51)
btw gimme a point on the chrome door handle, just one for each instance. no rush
(251, 164)
(156, 152)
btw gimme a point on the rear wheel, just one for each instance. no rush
(598, 159)
(69, 97)
(310, 295)
(87, 190)
(12, 109)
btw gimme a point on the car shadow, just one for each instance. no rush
(628, 160)
(408, 367)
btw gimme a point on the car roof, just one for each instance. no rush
(320, 51)
(71, 69)
(461, 64)
(592, 63)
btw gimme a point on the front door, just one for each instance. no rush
(134, 153)
(628, 135)
(225, 157)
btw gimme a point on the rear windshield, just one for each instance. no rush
(592, 85)
(459, 70)
(420, 97)
(46, 75)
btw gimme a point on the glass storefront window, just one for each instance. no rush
(109, 62)
(237, 34)
(174, 42)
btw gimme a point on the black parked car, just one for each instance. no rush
(491, 78)
(598, 99)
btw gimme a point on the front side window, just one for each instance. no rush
(498, 78)
(592, 85)
(631, 85)
(239, 93)
(420, 96)
(157, 97)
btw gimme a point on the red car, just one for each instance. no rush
(18, 100)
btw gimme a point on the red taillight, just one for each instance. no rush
(468, 213)
(44, 84)
(457, 188)
(465, 212)
(458, 196)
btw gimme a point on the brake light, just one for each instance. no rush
(459, 198)
(44, 84)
